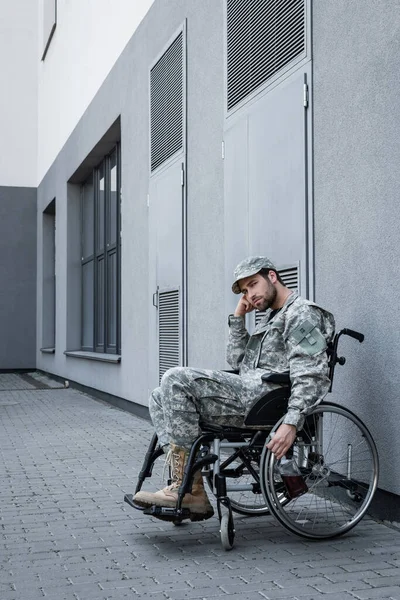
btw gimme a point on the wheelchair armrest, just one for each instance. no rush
(277, 378)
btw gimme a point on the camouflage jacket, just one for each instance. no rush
(294, 340)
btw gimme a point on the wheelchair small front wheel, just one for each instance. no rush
(227, 531)
(338, 461)
(177, 522)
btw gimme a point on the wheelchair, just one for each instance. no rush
(335, 454)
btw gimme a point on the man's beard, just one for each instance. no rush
(268, 299)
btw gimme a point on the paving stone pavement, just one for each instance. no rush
(66, 462)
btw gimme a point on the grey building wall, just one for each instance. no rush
(356, 187)
(124, 94)
(356, 156)
(18, 277)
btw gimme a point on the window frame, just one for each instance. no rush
(49, 24)
(101, 317)
(49, 277)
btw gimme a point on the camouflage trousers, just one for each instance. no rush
(187, 395)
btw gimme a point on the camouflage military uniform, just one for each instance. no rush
(293, 339)
(185, 394)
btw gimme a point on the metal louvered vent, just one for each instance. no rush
(166, 104)
(263, 36)
(290, 277)
(168, 330)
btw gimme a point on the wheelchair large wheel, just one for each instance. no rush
(338, 461)
(243, 466)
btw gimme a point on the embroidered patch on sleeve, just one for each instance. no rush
(309, 338)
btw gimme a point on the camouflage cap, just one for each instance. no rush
(250, 266)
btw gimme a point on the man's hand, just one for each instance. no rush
(243, 307)
(282, 440)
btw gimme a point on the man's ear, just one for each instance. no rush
(272, 277)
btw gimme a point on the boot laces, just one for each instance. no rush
(173, 459)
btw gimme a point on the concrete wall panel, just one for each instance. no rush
(207, 320)
(357, 229)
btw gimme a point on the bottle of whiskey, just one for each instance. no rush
(292, 477)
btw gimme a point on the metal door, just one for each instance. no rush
(266, 170)
(166, 271)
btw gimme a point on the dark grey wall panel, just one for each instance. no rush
(357, 226)
(17, 278)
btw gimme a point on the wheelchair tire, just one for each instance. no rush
(339, 464)
(227, 532)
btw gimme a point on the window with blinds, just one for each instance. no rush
(263, 36)
(166, 104)
(290, 277)
(168, 330)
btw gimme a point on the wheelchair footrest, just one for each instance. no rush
(128, 498)
(167, 514)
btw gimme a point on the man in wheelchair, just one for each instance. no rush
(293, 337)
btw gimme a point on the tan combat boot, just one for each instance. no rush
(197, 501)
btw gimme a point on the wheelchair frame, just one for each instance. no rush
(350, 486)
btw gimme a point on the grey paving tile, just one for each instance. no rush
(381, 592)
(371, 563)
(394, 571)
(318, 596)
(342, 586)
(383, 581)
(351, 576)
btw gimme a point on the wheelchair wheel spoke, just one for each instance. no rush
(339, 463)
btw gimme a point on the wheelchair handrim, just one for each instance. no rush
(299, 517)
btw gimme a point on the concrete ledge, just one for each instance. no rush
(385, 506)
(110, 358)
(129, 406)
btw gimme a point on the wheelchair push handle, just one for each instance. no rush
(334, 359)
(354, 334)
